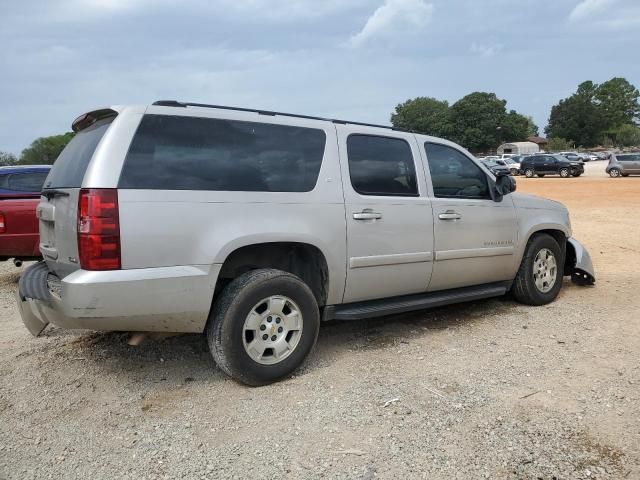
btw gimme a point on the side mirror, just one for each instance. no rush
(505, 184)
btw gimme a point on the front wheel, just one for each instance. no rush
(564, 172)
(528, 173)
(614, 173)
(263, 326)
(514, 171)
(541, 175)
(577, 175)
(539, 278)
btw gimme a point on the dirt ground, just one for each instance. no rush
(491, 389)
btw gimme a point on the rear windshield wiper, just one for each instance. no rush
(54, 192)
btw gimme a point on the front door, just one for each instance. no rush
(389, 216)
(475, 237)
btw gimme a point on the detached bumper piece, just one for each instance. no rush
(33, 297)
(578, 264)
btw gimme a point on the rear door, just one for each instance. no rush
(57, 211)
(389, 216)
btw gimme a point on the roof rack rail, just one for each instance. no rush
(174, 103)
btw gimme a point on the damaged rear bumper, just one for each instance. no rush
(578, 263)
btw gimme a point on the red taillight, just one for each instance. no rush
(2, 225)
(98, 229)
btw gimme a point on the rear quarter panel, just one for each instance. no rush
(161, 228)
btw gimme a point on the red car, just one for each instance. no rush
(19, 196)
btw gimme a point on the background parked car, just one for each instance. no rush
(513, 163)
(20, 188)
(623, 165)
(573, 156)
(542, 165)
(497, 167)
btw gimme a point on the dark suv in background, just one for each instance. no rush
(542, 165)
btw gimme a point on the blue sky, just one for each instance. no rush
(353, 59)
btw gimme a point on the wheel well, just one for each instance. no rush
(301, 259)
(560, 237)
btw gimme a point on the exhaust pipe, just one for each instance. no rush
(17, 262)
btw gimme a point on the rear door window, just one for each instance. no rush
(381, 166)
(194, 153)
(71, 165)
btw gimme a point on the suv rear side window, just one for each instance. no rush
(381, 166)
(453, 174)
(192, 153)
(71, 165)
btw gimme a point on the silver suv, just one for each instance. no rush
(252, 227)
(623, 165)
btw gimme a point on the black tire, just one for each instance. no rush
(529, 173)
(615, 173)
(524, 288)
(514, 171)
(625, 174)
(564, 173)
(225, 328)
(577, 175)
(541, 175)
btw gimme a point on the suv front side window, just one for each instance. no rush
(381, 166)
(454, 175)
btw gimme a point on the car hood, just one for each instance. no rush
(533, 202)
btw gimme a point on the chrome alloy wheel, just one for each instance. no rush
(272, 330)
(545, 270)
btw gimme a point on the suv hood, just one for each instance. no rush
(533, 202)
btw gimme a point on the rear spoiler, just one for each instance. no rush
(87, 119)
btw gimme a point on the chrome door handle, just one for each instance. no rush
(366, 215)
(450, 215)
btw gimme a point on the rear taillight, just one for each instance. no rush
(2, 225)
(98, 229)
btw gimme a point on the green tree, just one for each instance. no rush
(45, 150)
(516, 127)
(477, 121)
(7, 158)
(558, 144)
(617, 102)
(577, 118)
(626, 135)
(424, 115)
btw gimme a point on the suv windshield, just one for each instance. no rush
(71, 165)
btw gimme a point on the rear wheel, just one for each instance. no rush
(564, 172)
(539, 278)
(529, 173)
(615, 173)
(514, 171)
(263, 326)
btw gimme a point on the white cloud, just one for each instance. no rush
(589, 8)
(485, 50)
(394, 17)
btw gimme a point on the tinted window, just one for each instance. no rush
(453, 174)
(628, 158)
(188, 153)
(25, 182)
(381, 166)
(71, 165)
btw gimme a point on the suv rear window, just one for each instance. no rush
(194, 153)
(71, 165)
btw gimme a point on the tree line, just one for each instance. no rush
(607, 114)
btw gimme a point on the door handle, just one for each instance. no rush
(450, 215)
(367, 215)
